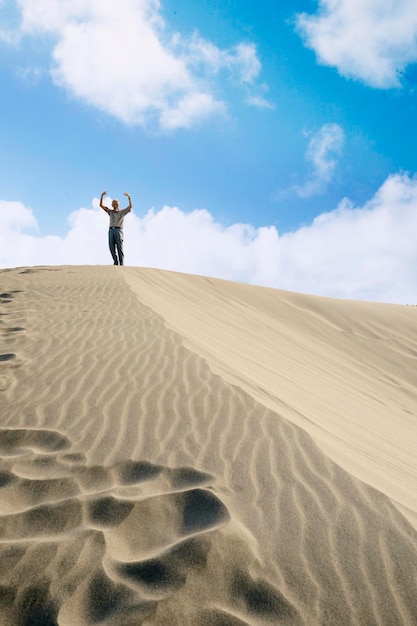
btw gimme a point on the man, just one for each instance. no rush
(116, 227)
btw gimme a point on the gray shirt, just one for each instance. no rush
(117, 217)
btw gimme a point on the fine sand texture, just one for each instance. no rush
(184, 451)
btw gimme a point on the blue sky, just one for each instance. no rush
(269, 142)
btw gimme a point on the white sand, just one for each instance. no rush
(178, 450)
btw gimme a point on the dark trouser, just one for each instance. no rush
(116, 242)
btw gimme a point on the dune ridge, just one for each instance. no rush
(140, 484)
(345, 371)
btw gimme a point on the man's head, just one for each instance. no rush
(115, 205)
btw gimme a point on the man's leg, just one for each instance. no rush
(119, 245)
(112, 245)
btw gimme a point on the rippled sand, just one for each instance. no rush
(178, 450)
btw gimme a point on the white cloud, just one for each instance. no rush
(369, 40)
(322, 148)
(260, 102)
(15, 216)
(241, 60)
(245, 61)
(30, 75)
(191, 108)
(122, 59)
(321, 155)
(367, 252)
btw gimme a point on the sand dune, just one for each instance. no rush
(178, 450)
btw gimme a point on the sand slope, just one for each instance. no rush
(168, 448)
(345, 371)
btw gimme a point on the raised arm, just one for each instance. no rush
(101, 202)
(130, 200)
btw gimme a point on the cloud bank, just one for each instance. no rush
(367, 252)
(364, 39)
(122, 58)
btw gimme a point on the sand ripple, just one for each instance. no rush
(139, 487)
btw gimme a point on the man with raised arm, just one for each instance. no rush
(116, 227)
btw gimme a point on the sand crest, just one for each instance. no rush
(178, 450)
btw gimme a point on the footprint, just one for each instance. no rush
(6, 478)
(50, 520)
(18, 441)
(35, 606)
(13, 329)
(261, 599)
(188, 477)
(201, 510)
(133, 472)
(163, 575)
(7, 296)
(7, 357)
(40, 269)
(161, 521)
(9, 360)
(106, 599)
(52, 499)
(119, 540)
(75, 458)
(108, 511)
(6, 382)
